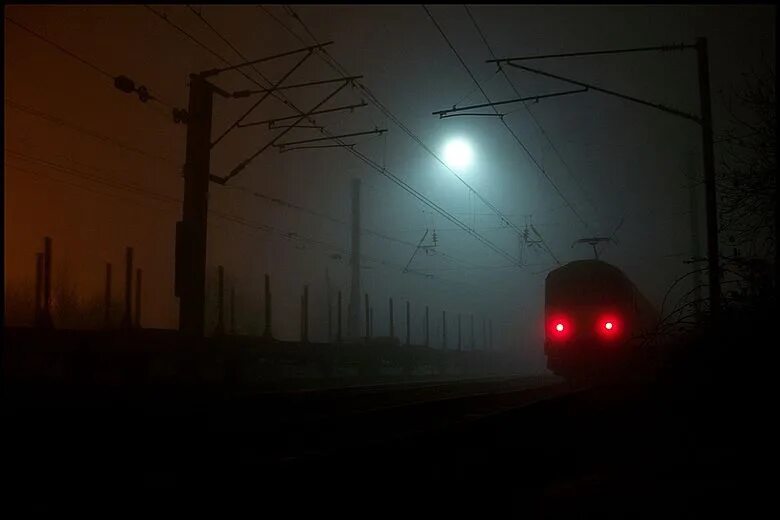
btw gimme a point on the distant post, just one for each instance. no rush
(460, 343)
(107, 298)
(127, 318)
(427, 329)
(484, 334)
(444, 329)
(267, 334)
(408, 326)
(490, 334)
(371, 321)
(138, 274)
(392, 326)
(46, 320)
(368, 320)
(220, 330)
(233, 309)
(338, 316)
(473, 346)
(37, 317)
(330, 318)
(305, 315)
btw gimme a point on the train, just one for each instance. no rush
(596, 320)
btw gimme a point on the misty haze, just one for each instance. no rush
(265, 246)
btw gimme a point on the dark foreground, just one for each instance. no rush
(685, 444)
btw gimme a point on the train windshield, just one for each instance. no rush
(588, 296)
(587, 287)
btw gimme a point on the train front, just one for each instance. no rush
(590, 312)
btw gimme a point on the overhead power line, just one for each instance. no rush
(219, 35)
(138, 190)
(663, 48)
(332, 62)
(421, 197)
(337, 66)
(95, 178)
(428, 202)
(398, 181)
(164, 17)
(506, 125)
(268, 91)
(178, 28)
(536, 121)
(445, 112)
(91, 133)
(289, 236)
(290, 205)
(62, 49)
(84, 187)
(121, 82)
(235, 49)
(278, 96)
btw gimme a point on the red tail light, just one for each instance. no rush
(609, 326)
(559, 328)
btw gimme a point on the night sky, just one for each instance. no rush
(115, 179)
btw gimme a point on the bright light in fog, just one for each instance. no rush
(559, 327)
(458, 154)
(608, 325)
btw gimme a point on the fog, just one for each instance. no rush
(98, 170)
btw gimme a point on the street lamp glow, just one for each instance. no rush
(458, 154)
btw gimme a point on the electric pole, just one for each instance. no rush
(191, 230)
(704, 120)
(191, 239)
(709, 177)
(695, 245)
(353, 313)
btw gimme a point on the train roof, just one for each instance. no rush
(582, 276)
(591, 267)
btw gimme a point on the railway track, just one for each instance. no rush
(263, 439)
(529, 445)
(352, 424)
(388, 422)
(345, 419)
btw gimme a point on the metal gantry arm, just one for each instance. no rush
(263, 98)
(191, 231)
(477, 114)
(345, 145)
(414, 253)
(658, 106)
(705, 122)
(446, 112)
(539, 235)
(272, 122)
(313, 127)
(246, 93)
(309, 50)
(672, 47)
(354, 134)
(243, 164)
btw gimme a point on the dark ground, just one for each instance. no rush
(689, 443)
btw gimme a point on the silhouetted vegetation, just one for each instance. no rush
(747, 185)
